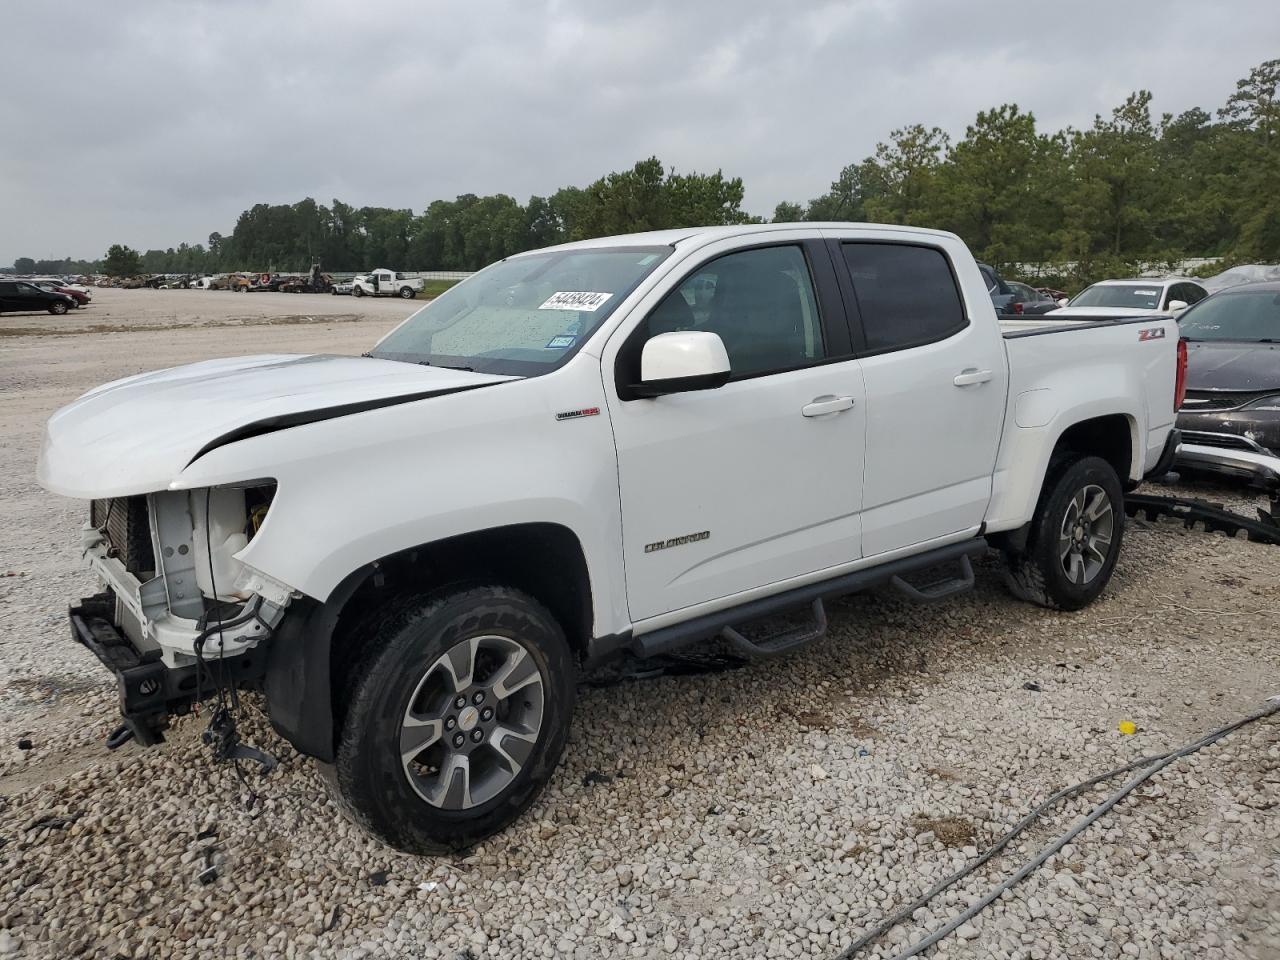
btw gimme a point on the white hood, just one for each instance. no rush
(138, 434)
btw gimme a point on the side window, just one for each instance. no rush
(906, 294)
(8, 287)
(760, 302)
(1194, 293)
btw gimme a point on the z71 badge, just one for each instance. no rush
(1151, 333)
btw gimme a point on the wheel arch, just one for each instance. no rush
(308, 658)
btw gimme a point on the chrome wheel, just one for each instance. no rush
(1084, 539)
(472, 722)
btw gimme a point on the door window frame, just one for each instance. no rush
(833, 322)
(853, 310)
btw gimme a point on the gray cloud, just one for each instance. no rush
(155, 123)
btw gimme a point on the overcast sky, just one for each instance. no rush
(156, 123)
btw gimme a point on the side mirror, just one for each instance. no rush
(682, 361)
(1177, 305)
(1063, 301)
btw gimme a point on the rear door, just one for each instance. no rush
(8, 293)
(936, 380)
(730, 491)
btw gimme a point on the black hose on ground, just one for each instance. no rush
(1149, 765)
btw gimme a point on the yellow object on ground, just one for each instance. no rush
(1128, 727)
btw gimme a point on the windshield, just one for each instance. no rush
(523, 316)
(1135, 296)
(1252, 316)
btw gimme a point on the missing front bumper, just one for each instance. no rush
(150, 690)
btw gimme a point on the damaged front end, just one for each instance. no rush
(179, 616)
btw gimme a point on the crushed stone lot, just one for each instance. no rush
(777, 810)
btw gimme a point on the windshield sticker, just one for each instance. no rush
(575, 300)
(645, 261)
(1145, 293)
(560, 342)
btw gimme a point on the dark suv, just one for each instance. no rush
(18, 295)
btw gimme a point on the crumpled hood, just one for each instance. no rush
(1231, 365)
(138, 434)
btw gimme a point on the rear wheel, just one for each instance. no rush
(407, 293)
(1075, 536)
(455, 718)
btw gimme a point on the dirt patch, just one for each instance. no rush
(952, 831)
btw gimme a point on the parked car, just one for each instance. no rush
(555, 462)
(1230, 420)
(386, 283)
(1001, 293)
(23, 296)
(65, 284)
(342, 289)
(1132, 298)
(1028, 301)
(53, 287)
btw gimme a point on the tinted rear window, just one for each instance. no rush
(906, 294)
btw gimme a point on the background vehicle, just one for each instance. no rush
(64, 284)
(1029, 301)
(21, 296)
(1002, 296)
(1230, 420)
(80, 298)
(386, 283)
(313, 282)
(342, 289)
(1132, 298)
(415, 549)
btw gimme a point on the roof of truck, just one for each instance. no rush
(700, 235)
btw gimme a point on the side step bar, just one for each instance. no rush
(668, 639)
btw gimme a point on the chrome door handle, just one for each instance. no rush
(971, 376)
(821, 406)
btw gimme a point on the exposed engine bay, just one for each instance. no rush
(180, 615)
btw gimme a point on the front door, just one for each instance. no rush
(937, 380)
(760, 480)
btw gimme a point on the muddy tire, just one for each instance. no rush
(1074, 539)
(455, 717)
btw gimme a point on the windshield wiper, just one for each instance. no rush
(444, 366)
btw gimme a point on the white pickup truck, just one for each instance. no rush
(386, 283)
(622, 445)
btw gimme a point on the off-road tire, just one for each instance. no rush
(367, 779)
(1035, 573)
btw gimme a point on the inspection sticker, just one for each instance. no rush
(1145, 293)
(575, 300)
(560, 342)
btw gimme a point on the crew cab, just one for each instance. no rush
(627, 444)
(386, 283)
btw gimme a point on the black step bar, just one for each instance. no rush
(668, 639)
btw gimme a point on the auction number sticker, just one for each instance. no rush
(575, 300)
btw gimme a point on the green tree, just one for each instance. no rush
(24, 265)
(122, 261)
(788, 212)
(905, 170)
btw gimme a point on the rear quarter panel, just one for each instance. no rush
(1067, 375)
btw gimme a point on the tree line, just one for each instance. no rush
(1129, 188)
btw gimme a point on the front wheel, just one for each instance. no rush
(357, 292)
(455, 718)
(58, 309)
(1075, 536)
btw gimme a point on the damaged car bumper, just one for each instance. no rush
(1230, 455)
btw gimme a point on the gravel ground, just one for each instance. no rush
(774, 810)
